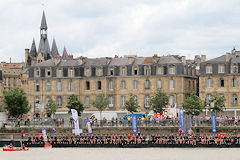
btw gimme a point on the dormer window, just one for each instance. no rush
(71, 72)
(87, 72)
(99, 72)
(37, 72)
(209, 69)
(160, 70)
(59, 73)
(221, 68)
(172, 70)
(48, 72)
(234, 68)
(111, 72)
(135, 71)
(123, 71)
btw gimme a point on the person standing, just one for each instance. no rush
(22, 134)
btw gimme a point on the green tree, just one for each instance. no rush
(101, 102)
(193, 105)
(131, 105)
(216, 103)
(15, 102)
(75, 103)
(51, 107)
(159, 101)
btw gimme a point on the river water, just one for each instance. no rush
(124, 154)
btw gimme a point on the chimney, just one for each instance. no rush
(183, 59)
(203, 58)
(26, 56)
(228, 56)
(81, 60)
(131, 59)
(56, 60)
(155, 58)
(108, 60)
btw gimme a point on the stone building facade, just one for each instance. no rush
(221, 75)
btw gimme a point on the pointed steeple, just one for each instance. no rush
(64, 55)
(54, 50)
(43, 22)
(33, 51)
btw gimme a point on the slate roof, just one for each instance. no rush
(43, 22)
(217, 60)
(33, 51)
(119, 62)
(54, 50)
(138, 60)
(168, 60)
(65, 55)
(96, 61)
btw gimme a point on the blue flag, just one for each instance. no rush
(134, 123)
(181, 119)
(214, 123)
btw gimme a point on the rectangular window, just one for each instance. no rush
(123, 85)
(87, 72)
(221, 68)
(9, 82)
(71, 72)
(59, 101)
(48, 86)
(123, 71)
(209, 83)
(171, 84)
(59, 86)
(159, 84)
(99, 72)
(111, 101)
(14, 82)
(87, 101)
(37, 87)
(171, 70)
(147, 71)
(110, 85)
(234, 82)
(171, 100)
(48, 73)
(209, 69)
(37, 73)
(99, 85)
(71, 86)
(234, 100)
(160, 70)
(135, 71)
(147, 84)
(234, 68)
(123, 101)
(87, 85)
(135, 84)
(37, 102)
(59, 73)
(221, 82)
(136, 99)
(111, 72)
(147, 101)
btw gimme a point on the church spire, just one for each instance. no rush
(43, 22)
(54, 50)
(64, 55)
(33, 51)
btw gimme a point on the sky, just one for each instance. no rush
(104, 28)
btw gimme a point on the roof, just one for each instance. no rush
(217, 60)
(138, 60)
(33, 51)
(96, 61)
(43, 22)
(119, 62)
(168, 60)
(148, 60)
(44, 48)
(13, 65)
(64, 55)
(54, 50)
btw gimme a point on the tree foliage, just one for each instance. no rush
(159, 101)
(101, 102)
(75, 103)
(216, 103)
(131, 105)
(51, 107)
(15, 102)
(193, 105)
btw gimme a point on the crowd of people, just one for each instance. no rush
(135, 139)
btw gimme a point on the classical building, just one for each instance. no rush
(49, 75)
(221, 75)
